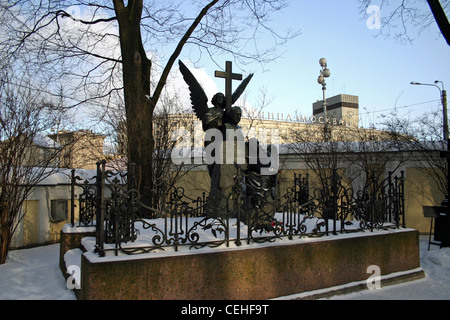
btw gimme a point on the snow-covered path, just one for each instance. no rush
(34, 274)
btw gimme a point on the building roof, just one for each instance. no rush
(44, 141)
(362, 146)
(63, 177)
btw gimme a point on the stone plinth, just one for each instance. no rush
(250, 272)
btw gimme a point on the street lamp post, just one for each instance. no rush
(443, 94)
(324, 73)
(445, 241)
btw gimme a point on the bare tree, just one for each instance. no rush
(357, 154)
(423, 136)
(405, 14)
(91, 42)
(253, 113)
(319, 153)
(169, 116)
(26, 155)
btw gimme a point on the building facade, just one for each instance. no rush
(342, 109)
(81, 149)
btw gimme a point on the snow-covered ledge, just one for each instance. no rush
(71, 239)
(251, 272)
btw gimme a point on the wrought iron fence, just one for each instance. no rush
(302, 211)
(87, 200)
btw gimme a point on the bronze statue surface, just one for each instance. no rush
(221, 124)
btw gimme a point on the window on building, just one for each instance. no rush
(58, 210)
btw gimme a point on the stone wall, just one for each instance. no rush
(253, 272)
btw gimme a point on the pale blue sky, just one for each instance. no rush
(378, 70)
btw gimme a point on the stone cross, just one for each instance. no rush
(229, 76)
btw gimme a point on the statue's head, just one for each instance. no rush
(235, 114)
(218, 100)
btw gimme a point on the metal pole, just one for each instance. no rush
(446, 138)
(446, 239)
(402, 194)
(444, 106)
(72, 199)
(324, 73)
(324, 90)
(443, 96)
(238, 208)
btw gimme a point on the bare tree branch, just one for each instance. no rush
(408, 15)
(178, 49)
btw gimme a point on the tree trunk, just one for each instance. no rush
(138, 105)
(5, 240)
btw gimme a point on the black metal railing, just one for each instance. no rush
(302, 211)
(87, 200)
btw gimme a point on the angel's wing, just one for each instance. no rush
(199, 100)
(237, 93)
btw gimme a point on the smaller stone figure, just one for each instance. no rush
(260, 190)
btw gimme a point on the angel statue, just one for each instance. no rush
(220, 122)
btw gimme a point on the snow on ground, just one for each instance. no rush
(34, 274)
